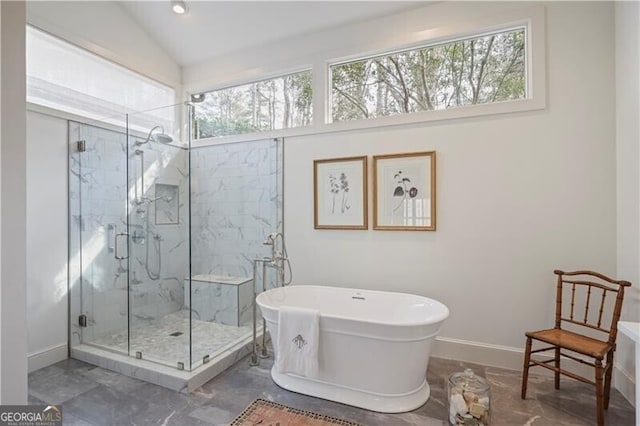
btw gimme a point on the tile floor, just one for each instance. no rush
(158, 341)
(94, 396)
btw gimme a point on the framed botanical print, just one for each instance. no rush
(404, 191)
(340, 193)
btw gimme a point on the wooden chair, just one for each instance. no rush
(589, 333)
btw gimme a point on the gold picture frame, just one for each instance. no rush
(340, 193)
(404, 191)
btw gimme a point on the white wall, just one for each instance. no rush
(627, 38)
(13, 330)
(106, 29)
(518, 194)
(47, 236)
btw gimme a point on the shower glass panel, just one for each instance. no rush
(236, 201)
(159, 236)
(163, 238)
(97, 235)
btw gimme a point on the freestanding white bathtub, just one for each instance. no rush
(374, 345)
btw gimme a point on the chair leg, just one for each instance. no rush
(607, 380)
(599, 393)
(557, 372)
(525, 368)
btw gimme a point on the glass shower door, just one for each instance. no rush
(158, 223)
(98, 246)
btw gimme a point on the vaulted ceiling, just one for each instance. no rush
(214, 28)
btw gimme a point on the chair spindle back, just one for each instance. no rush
(587, 287)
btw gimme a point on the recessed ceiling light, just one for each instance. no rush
(179, 7)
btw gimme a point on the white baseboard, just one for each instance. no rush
(512, 359)
(48, 356)
(625, 383)
(478, 353)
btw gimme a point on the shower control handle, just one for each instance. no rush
(122, 234)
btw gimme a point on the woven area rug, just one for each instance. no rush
(266, 413)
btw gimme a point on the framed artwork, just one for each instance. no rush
(404, 191)
(340, 193)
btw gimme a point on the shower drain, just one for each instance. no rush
(177, 333)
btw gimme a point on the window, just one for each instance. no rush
(279, 103)
(480, 70)
(67, 78)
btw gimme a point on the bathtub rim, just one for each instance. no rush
(430, 321)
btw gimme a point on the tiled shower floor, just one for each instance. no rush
(167, 340)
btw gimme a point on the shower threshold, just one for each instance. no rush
(163, 375)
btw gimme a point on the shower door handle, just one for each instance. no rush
(111, 228)
(122, 234)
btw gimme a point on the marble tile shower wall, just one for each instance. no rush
(236, 201)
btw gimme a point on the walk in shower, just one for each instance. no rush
(163, 235)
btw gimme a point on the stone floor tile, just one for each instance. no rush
(106, 406)
(212, 414)
(32, 400)
(71, 420)
(91, 395)
(58, 388)
(113, 379)
(74, 365)
(182, 418)
(161, 396)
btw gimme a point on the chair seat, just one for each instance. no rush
(572, 341)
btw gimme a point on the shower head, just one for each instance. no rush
(161, 136)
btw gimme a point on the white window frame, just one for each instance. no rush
(329, 95)
(256, 135)
(532, 19)
(535, 74)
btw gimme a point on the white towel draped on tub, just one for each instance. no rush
(297, 345)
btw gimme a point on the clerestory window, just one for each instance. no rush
(68, 78)
(283, 102)
(478, 70)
